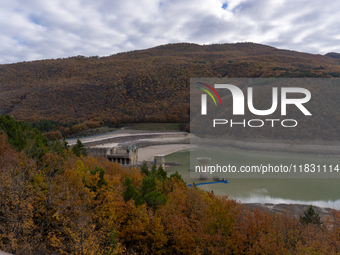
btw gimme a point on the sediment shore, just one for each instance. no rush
(296, 210)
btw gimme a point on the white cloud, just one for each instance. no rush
(37, 29)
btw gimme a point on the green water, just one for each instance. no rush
(316, 191)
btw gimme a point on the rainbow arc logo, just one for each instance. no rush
(204, 97)
(208, 92)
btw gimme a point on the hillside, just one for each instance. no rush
(141, 86)
(64, 203)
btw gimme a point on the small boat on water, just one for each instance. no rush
(214, 182)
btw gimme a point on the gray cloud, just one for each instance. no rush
(37, 29)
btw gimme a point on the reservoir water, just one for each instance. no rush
(324, 192)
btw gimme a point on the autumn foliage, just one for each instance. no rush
(65, 204)
(141, 86)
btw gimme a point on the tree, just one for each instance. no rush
(24, 138)
(178, 176)
(161, 174)
(153, 169)
(101, 181)
(79, 149)
(148, 192)
(311, 217)
(17, 172)
(131, 192)
(144, 168)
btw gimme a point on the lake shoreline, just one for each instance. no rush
(295, 210)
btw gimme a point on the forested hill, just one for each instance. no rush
(141, 86)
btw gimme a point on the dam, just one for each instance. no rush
(122, 146)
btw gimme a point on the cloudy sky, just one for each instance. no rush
(45, 29)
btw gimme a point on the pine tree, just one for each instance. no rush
(2, 127)
(79, 149)
(144, 168)
(161, 174)
(131, 192)
(153, 168)
(176, 175)
(311, 217)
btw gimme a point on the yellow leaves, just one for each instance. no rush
(56, 242)
(118, 249)
(53, 161)
(220, 215)
(58, 209)
(143, 230)
(108, 216)
(38, 178)
(16, 197)
(79, 167)
(90, 179)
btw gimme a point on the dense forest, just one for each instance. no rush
(141, 86)
(55, 202)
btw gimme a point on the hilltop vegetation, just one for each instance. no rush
(141, 86)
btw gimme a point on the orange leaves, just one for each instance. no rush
(54, 135)
(218, 222)
(256, 232)
(16, 198)
(75, 206)
(142, 230)
(4, 145)
(77, 88)
(197, 220)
